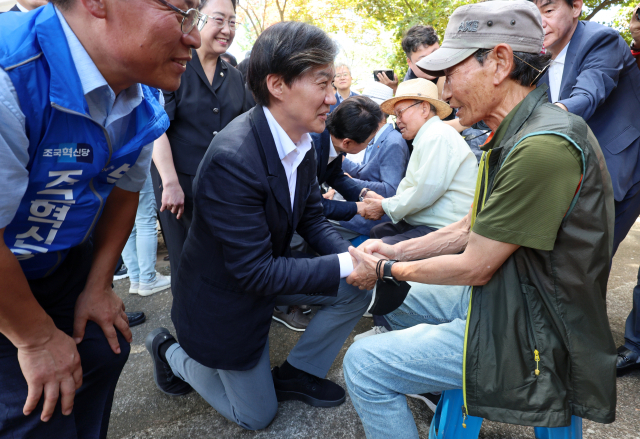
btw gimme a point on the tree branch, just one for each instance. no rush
(605, 4)
(409, 6)
(255, 29)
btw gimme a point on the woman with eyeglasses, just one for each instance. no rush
(211, 94)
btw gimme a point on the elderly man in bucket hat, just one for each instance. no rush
(512, 297)
(437, 189)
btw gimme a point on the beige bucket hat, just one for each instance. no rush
(418, 89)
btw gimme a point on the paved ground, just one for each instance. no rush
(140, 411)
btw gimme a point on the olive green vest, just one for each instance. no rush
(538, 346)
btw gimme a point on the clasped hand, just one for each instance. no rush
(367, 256)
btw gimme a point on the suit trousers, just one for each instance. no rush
(627, 212)
(248, 397)
(174, 230)
(101, 367)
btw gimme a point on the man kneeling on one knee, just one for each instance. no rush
(256, 185)
(518, 319)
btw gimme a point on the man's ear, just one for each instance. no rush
(97, 8)
(577, 8)
(276, 85)
(503, 57)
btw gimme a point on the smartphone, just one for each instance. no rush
(388, 72)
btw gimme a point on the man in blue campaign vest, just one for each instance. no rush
(75, 140)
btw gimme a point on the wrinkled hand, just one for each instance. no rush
(329, 194)
(378, 249)
(173, 199)
(373, 209)
(373, 196)
(106, 309)
(384, 79)
(53, 367)
(363, 275)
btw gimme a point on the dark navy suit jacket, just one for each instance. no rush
(601, 83)
(333, 175)
(236, 258)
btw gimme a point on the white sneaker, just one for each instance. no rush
(161, 283)
(133, 288)
(373, 331)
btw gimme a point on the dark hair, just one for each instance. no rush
(355, 118)
(63, 5)
(243, 67)
(288, 49)
(418, 36)
(203, 3)
(545, 2)
(229, 58)
(526, 69)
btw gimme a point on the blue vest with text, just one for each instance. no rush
(72, 165)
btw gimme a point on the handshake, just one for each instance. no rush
(371, 205)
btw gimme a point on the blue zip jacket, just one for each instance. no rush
(72, 166)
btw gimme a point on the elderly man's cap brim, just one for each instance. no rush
(435, 63)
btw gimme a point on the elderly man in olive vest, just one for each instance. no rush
(513, 295)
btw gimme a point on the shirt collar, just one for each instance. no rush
(424, 128)
(22, 8)
(90, 76)
(332, 151)
(283, 142)
(562, 55)
(380, 132)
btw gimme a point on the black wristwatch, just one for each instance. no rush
(386, 272)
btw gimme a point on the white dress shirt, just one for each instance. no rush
(555, 74)
(291, 155)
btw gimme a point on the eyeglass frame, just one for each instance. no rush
(228, 20)
(535, 80)
(398, 114)
(201, 18)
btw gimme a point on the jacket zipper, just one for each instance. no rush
(532, 336)
(91, 186)
(483, 173)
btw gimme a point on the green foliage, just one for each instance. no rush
(399, 15)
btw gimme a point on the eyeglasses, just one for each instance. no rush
(540, 72)
(399, 113)
(219, 22)
(342, 75)
(192, 18)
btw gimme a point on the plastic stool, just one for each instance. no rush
(358, 240)
(447, 422)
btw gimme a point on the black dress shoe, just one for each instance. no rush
(627, 360)
(136, 318)
(306, 309)
(164, 377)
(317, 392)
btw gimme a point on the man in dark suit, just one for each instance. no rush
(350, 128)
(593, 75)
(255, 186)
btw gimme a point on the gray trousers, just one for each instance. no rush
(248, 397)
